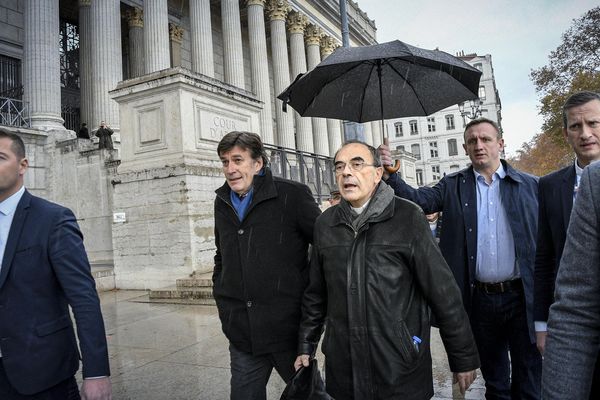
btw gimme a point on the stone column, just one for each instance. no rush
(233, 60)
(135, 21)
(368, 132)
(175, 41)
(297, 23)
(377, 134)
(106, 61)
(85, 63)
(42, 64)
(313, 40)
(156, 35)
(201, 35)
(334, 126)
(260, 66)
(277, 11)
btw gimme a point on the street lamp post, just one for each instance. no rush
(474, 111)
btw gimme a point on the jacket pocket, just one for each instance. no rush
(407, 347)
(53, 326)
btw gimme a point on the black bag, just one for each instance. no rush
(306, 384)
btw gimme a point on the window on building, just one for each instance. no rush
(430, 124)
(419, 177)
(400, 147)
(479, 66)
(415, 149)
(481, 92)
(449, 122)
(433, 150)
(10, 78)
(435, 170)
(452, 147)
(414, 127)
(398, 128)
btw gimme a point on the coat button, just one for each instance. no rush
(471, 257)
(241, 232)
(470, 229)
(248, 304)
(466, 204)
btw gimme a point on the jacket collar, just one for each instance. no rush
(264, 189)
(511, 173)
(14, 235)
(380, 208)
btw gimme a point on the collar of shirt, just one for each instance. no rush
(9, 205)
(578, 172)
(500, 173)
(359, 210)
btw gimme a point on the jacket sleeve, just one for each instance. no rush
(307, 212)
(430, 199)
(574, 319)
(439, 288)
(544, 270)
(70, 264)
(314, 307)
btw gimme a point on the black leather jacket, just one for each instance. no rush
(374, 286)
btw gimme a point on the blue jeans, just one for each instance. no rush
(499, 323)
(250, 373)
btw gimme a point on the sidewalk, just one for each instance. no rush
(171, 351)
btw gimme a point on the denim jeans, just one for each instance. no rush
(499, 324)
(250, 373)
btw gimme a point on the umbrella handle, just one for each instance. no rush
(393, 169)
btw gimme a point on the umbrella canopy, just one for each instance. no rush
(388, 80)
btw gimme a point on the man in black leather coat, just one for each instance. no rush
(376, 272)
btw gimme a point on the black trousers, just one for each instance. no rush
(65, 390)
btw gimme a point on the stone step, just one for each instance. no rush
(183, 295)
(104, 275)
(146, 299)
(194, 282)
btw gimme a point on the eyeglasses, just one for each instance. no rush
(354, 165)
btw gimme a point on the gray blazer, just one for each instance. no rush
(574, 321)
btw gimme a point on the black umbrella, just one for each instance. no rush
(382, 81)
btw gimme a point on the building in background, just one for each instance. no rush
(436, 141)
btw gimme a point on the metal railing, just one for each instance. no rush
(14, 112)
(313, 170)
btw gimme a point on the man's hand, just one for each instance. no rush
(464, 380)
(540, 341)
(96, 389)
(385, 155)
(301, 360)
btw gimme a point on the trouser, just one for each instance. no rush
(250, 373)
(499, 323)
(65, 390)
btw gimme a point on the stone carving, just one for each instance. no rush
(313, 35)
(328, 45)
(297, 22)
(278, 9)
(175, 33)
(255, 3)
(135, 17)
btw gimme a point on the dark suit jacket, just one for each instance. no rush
(555, 203)
(45, 269)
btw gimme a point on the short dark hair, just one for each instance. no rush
(483, 120)
(576, 100)
(372, 150)
(17, 146)
(245, 141)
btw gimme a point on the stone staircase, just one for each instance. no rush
(197, 289)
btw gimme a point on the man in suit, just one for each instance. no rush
(43, 270)
(488, 240)
(574, 320)
(557, 191)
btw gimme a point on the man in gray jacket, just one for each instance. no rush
(574, 322)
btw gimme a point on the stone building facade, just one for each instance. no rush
(170, 77)
(437, 141)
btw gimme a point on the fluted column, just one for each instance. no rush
(313, 55)
(260, 66)
(334, 126)
(42, 64)
(135, 21)
(233, 60)
(106, 61)
(156, 35)
(368, 132)
(175, 41)
(377, 134)
(85, 62)
(297, 23)
(201, 35)
(277, 11)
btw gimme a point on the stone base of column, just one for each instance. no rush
(46, 122)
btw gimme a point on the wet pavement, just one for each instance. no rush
(172, 351)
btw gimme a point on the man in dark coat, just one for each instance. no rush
(263, 226)
(104, 133)
(488, 240)
(376, 271)
(83, 132)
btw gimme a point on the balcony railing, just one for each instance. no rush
(14, 112)
(313, 170)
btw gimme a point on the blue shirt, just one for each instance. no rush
(495, 243)
(7, 212)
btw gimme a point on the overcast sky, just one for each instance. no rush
(518, 34)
